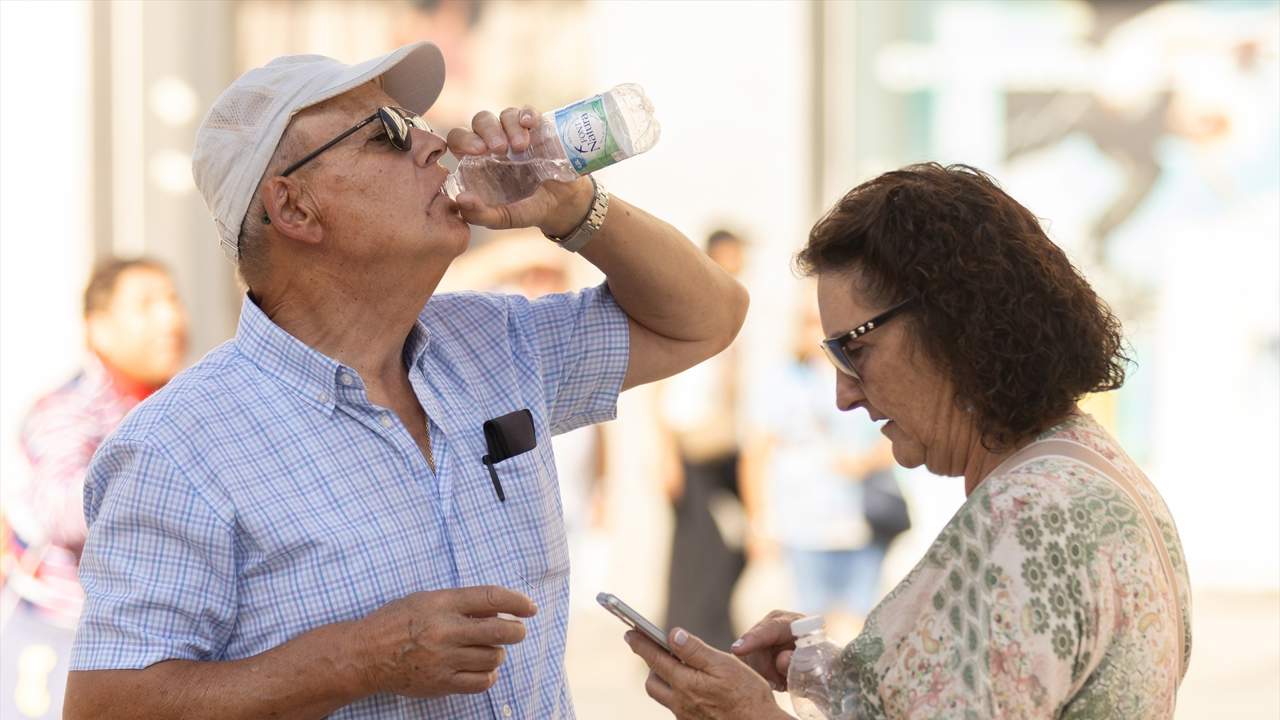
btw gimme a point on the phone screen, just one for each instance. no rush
(633, 619)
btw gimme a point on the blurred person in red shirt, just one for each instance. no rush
(136, 334)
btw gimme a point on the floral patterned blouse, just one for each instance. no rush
(1044, 596)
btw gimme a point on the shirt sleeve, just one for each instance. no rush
(158, 568)
(582, 342)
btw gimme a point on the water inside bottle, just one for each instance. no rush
(500, 180)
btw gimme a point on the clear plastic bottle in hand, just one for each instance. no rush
(809, 677)
(575, 140)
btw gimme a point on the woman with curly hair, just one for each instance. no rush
(1058, 589)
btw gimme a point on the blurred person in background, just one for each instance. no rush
(1059, 588)
(803, 479)
(136, 336)
(700, 435)
(312, 520)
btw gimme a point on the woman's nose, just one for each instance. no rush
(848, 392)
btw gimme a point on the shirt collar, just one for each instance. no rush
(416, 344)
(311, 373)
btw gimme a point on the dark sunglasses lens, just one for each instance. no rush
(419, 122)
(396, 127)
(836, 354)
(412, 118)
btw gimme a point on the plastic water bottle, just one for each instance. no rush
(812, 667)
(575, 140)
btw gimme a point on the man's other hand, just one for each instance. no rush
(440, 642)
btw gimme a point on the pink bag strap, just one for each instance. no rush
(1092, 458)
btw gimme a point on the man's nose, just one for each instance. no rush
(428, 147)
(848, 392)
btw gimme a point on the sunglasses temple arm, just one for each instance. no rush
(328, 145)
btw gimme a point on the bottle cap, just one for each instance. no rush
(807, 625)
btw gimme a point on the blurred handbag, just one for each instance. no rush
(884, 507)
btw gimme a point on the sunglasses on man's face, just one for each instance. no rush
(836, 347)
(396, 123)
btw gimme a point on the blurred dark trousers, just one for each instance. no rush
(705, 565)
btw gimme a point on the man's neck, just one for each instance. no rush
(361, 324)
(124, 383)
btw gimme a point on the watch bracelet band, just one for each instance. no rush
(581, 235)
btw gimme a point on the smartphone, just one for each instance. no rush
(634, 619)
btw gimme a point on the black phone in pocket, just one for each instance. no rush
(506, 437)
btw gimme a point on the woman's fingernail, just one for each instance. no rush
(737, 643)
(681, 636)
(527, 117)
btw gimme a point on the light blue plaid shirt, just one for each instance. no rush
(260, 494)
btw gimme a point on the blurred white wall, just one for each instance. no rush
(46, 242)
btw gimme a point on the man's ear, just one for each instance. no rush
(290, 210)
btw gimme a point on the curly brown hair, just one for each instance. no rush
(999, 306)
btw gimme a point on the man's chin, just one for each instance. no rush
(462, 239)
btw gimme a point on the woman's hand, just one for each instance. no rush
(767, 647)
(704, 683)
(555, 208)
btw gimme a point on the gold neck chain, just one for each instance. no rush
(431, 459)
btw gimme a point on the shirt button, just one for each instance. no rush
(506, 711)
(346, 379)
(386, 421)
(323, 397)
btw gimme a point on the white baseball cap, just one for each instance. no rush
(237, 138)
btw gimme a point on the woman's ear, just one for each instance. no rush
(290, 211)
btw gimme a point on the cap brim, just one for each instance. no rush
(413, 75)
(416, 81)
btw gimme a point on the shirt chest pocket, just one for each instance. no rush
(530, 519)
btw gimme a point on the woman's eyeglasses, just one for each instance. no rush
(836, 347)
